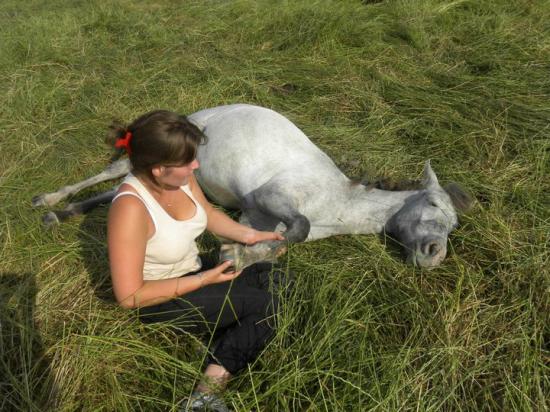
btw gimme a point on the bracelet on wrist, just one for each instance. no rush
(201, 278)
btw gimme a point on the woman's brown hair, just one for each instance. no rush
(159, 138)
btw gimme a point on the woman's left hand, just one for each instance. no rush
(255, 236)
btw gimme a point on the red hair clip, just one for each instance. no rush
(124, 142)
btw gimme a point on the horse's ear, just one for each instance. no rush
(430, 179)
(462, 201)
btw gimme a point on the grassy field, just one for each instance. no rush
(380, 86)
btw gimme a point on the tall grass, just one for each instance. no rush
(380, 86)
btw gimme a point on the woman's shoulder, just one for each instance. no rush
(130, 210)
(128, 200)
(126, 187)
(130, 184)
(128, 214)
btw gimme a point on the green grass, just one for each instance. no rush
(380, 86)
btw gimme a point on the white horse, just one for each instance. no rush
(258, 161)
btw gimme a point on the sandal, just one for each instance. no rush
(204, 402)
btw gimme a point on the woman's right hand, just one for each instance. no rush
(216, 275)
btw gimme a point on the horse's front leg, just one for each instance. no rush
(114, 170)
(269, 218)
(243, 256)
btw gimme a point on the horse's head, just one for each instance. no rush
(424, 222)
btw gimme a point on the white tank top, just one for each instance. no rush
(172, 250)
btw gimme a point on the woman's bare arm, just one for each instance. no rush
(127, 239)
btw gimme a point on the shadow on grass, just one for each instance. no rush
(26, 382)
(93, 245)
(393, 247)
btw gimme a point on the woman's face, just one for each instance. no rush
(176, 176)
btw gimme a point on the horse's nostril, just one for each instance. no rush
(432, 248)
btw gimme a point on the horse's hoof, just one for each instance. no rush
(50, 219)
(243, 256)
(38, 201)
(233, 252)
(280, 251)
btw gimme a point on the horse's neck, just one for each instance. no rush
(368, 210)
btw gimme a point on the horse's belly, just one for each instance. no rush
(217, 194)
(227, 190)
(246, 147)
(249, 146)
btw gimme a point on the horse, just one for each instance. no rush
(258, 161)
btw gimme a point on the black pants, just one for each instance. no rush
(240, 314)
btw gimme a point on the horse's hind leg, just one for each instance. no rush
(113, 171)
(79, 208)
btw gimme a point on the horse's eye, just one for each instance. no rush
(432, 203)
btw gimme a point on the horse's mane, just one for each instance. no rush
(462, 201)
(390, 184)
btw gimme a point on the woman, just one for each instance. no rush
(154, 219)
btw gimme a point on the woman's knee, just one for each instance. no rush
(262, 303)
(272, 278)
